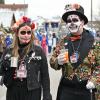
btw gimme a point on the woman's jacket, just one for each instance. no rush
(37, 70)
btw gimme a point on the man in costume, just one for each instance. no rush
(81, 69)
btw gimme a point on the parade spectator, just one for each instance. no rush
(2, 45)
(39, 35)
(44, 44)
(24, 65)
(80, 62)
(49, 43)
(54, 40)
(37, 42)
(8, 41)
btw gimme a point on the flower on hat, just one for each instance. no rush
(71, 7)
(76, 6)
(22, 20)
(74, 9)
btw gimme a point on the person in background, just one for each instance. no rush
(8, 41)
(39, 35)
(80, 63)
(37, 42)
(54, 40)
(2, 45)
(24, 65)
(49, 43)
(44, 43)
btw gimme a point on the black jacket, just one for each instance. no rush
(37, 70)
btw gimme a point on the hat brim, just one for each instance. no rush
(65, 15)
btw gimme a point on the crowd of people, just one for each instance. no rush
(47, 41)
(24, 65)
(5, 42)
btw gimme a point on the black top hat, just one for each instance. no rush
(74, 9)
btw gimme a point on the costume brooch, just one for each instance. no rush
(34, 57)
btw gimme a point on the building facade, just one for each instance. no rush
(9, 11)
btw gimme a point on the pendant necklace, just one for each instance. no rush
(75, 56)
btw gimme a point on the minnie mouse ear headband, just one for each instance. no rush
(23, 20)
(74, 9)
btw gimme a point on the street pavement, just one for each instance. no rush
(54, 81)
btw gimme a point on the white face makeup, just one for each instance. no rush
(24, 34)
(74, 24)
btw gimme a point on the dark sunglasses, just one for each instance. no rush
(72, 20)
(24, 32)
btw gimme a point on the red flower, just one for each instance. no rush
(22, 20)
(25, 19)
(76, 6)
(32, 25)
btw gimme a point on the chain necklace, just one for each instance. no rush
(77, 47)
(75, 55)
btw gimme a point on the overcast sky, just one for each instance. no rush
(50, 8)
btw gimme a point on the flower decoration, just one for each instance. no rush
(32, 25)
(26, 19)
(71, 7)
(76, 6)
(22, 20)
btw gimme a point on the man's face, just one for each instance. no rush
(74, 24)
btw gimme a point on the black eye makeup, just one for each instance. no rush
(72, 20)
(25, 32)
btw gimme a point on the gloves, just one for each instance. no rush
(61, 59)
(1, 80)
(90, 85)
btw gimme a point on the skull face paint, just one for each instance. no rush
(24, 34)
(74, 23)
